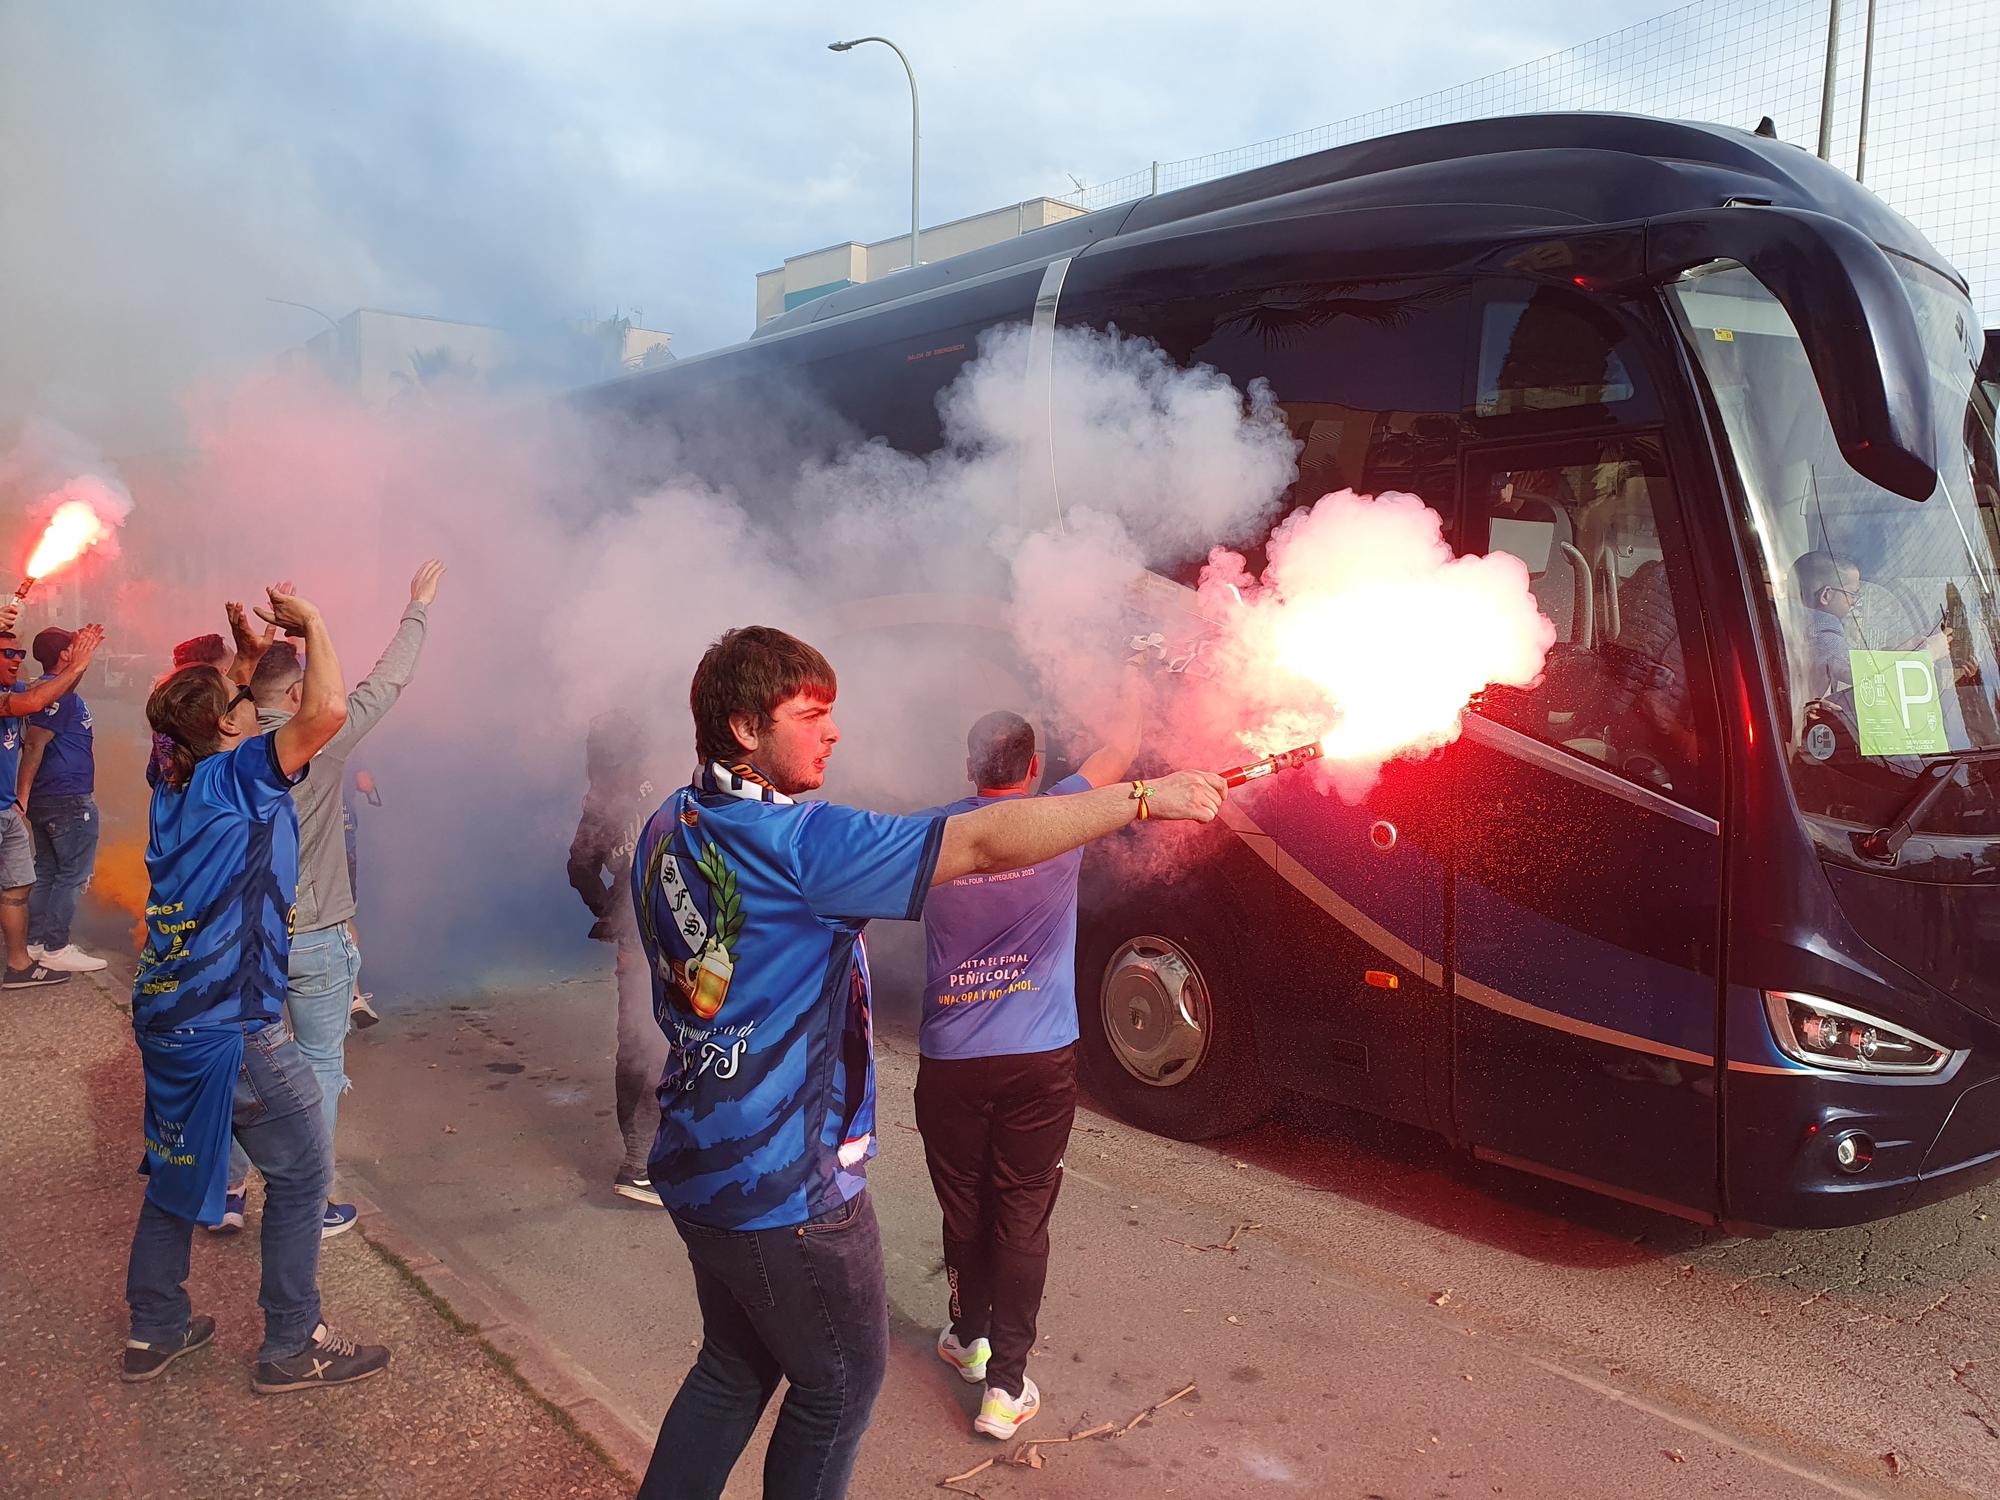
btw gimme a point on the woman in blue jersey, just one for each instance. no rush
(207, 1007)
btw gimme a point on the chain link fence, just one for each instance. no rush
(1932, 142)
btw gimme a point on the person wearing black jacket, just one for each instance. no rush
(615, 804)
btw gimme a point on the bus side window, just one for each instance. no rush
(1372, 378)
(1590, 521)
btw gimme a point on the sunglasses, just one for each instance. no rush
(12, 654)
(243, 695)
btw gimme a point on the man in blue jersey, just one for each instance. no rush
(57, 782)
(17, 853)
(750, 908)
(222, 856)
(996, 1087)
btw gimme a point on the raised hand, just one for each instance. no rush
(250, 644)
(1193, 795)
(424, 587)
(82, 646)
(288, 612)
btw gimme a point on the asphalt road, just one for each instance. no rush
(1393, 1323)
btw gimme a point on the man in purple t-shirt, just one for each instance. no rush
(996, 1087)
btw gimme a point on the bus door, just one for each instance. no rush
(1586, 884)
(1356, 1013)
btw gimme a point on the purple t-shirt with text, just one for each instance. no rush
(1000, 973)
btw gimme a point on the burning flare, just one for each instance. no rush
(1366, 632)
(83, 516)
(72, 531)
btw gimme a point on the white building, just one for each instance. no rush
(815, 274)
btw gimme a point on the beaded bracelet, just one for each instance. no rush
(1142, 794)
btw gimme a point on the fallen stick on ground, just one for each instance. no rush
(1028, 1455)
(1186, 1390)
(956, 1480)
(1228, 1244)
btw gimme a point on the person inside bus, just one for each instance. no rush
(1830, 587)
(996, 1080)
(1652, 678)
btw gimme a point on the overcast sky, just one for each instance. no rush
(169, 164)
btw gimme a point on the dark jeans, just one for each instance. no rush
(808, 1303)
(277, 1120)
(65, 854)
(994, 1130)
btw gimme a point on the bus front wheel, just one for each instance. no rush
(1167, 1040)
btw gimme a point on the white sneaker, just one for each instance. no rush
(72, 960)
(1000, 1415)
(968, 1359)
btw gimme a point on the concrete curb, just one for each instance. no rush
(571, 1393)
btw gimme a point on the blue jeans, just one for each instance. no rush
(65, 854)
(277, 1120)
(318, 991)
(807, 1303)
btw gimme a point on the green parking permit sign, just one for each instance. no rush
(1896, 703)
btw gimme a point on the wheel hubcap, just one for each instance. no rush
(1156, 1011)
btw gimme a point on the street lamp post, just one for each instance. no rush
(916, 127)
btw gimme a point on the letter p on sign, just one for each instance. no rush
(1916, 687)
(1896, 703)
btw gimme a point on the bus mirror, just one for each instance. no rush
(1853, 318)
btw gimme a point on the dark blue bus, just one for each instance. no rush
(1709, 920)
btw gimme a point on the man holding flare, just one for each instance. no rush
(750, 908)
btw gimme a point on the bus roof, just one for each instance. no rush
(1525, 172)
(1576, 168)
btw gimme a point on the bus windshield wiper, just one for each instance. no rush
(1884, 844)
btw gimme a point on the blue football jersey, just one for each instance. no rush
(69, 763)
(223, 857)
(12, 732)
(751, 910)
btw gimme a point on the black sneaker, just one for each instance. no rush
(34, 976)
(637, 1186)
(144, 1361)
(331, 1359)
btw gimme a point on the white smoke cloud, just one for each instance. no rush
(573, 590)
(1366, 633)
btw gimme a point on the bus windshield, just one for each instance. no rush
(1882, 613)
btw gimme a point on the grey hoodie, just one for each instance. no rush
(326, 896)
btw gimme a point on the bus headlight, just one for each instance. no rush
(1828, 1035)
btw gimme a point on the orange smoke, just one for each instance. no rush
(120, 882)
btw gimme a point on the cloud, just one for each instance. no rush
(170, 167)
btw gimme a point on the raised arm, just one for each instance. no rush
(1026, 830)
(322, 696)
(1111, 760)
(377, 693)
(70, 667)
(250, 644)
